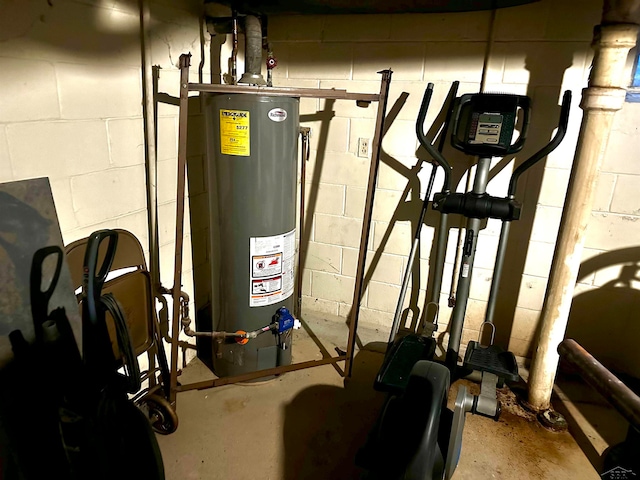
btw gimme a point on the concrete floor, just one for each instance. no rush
(310, 424)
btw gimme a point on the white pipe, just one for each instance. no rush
(600, 101)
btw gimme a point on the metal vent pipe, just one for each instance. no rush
(252, 52)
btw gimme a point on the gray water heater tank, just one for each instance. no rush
(252, 154)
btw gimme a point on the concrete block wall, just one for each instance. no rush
(71, 110)
(539, 50)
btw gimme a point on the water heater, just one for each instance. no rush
(252, 158)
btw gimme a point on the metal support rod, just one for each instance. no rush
(304, 132)
(464, 280)
(366, 217)
(621, 397)
(150, 152)
(603, 97)
(185, 61)
(497, 271)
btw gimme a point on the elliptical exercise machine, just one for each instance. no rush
(417, 437)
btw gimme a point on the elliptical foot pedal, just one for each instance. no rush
(492, 359)
(405, 352)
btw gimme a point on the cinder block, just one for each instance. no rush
(329, 135)
(486, 249)
(306, 282)
(605, 185)
(319, 305)
(362, 128)
(388, 268)
(69, 236)
(532, 290)
(338, 169)
(308, 106)
(616, 158)
(525, 323)
(546, 224)
(625, 195)
(566, 22)
(98, 92)
(338, 230)
(322, 257)
(522, 348)
(369, 317)
(126, 141)
(440, 27)
(454, 61)
(480, 283)
(383, 296)
(328, 199)
(167, 180)
(108, 194)
(333, 287)
(355, 200)
(6, 173)
(57, 149)
(167, 145)
(321, 61)
(29, 90)
(348, 108)
(61, 190)
(167, 261)
(625, 120)
(137, 223)
(544, 63)
(296, 27)
(539, 257)
(554, 187)
(606, 231)
(612, 273)
(400, 139)
(393, 238)
(356, 28)
(405, 59)
(524, 22)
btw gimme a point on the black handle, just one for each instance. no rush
(435, 154)
(40, 298)
(455, 139)
(547, 149)
(94, 278)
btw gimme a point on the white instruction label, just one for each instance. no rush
(272, 263)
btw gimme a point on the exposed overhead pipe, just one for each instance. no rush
(252, 52)
(600, 101)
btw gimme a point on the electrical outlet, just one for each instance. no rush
(363, 147)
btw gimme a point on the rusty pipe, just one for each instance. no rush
(621, 397)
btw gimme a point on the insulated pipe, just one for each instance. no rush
(603, 97)
(252, 52)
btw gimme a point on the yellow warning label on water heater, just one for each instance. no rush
(235, 138)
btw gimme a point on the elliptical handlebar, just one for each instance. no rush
(547, 149)
(422, 138)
